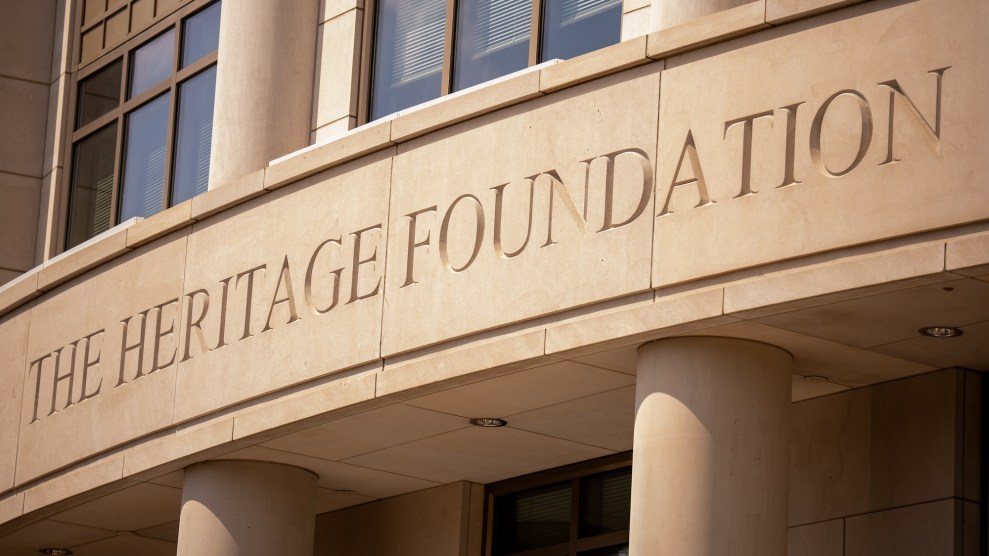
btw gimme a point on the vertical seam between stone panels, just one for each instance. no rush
(655, 186)
(20, 417)
(384, 266)
(185, 275)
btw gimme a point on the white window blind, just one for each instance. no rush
(500, 24)
(575, 10)
(419, 35)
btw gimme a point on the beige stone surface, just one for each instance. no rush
(781, 11)
(817, 539)
(91, 481)
(104, 411)
(367, 432)
(85, 256)
(287, 327)
(458, 171)
(632, 5)
(968, 255)
(176, 448)
(340, 476)
(921, 530)
(848, 449)
(481, 455)
(234, 192)
(11, 506)
(722, 407)
(125, 542)
(229, 509)
(18, 220)
(329, 500)
(46, 533)
(160, 224)
(26, 32)
(524, 391)
(857, 199)
(114, 512)
(62, 40)
(425, 523)
(19, 290)
(310, 401)
(666, 316)
(334, 129)
(695, 24)
(58, 125)
(626, 54)
(468, 103)
(968, 351)
(14, 329)
(804, 387)
(338, 63)
(23, 114)
(500, 355)
(317, 158)
(604, 420)
(332, 8)
(264, 93)
(636, 23)
(801, 287)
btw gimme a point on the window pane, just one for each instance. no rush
(492, 40)
(195, 130)
(201, 34)
(408, 54)
(146, 138)
(605, 503)
(92, 186)
(532, 519)
(619, 550)
(151, 63)
(98, 94)
(575, 27)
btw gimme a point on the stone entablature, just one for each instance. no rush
(518, 235)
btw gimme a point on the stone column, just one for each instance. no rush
(711, 448)
(247, 508)
(667, 13)
(264, 84)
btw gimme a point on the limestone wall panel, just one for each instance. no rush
(459, 263)
(784, 147)
(107, 394)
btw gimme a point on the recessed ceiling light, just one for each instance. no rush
(487, 422)
(55, 551)
(815, 379)
(941, 331)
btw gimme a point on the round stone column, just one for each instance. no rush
(711, 448)
(247, 508)
(264, 84)
(667, 13)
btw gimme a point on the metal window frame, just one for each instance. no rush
(574, 473)
(124, 53)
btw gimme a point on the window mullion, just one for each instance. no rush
(118, 156)
(451, 25)
(536, 23)
(166, 190)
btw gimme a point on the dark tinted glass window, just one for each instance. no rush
(152, 63)
(533, 518)
(192, 142)
(201, 34)
(92, 185)
(408, 54)
(492, 40)
(144, 159)
(605, 502)
(575, 27)
(99, 93)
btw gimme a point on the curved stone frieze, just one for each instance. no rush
(790, 144)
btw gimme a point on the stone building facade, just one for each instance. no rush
(701, 277)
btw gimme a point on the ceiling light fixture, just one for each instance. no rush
(941, 331)
(815, 379)
(487, 422)
(55, 551)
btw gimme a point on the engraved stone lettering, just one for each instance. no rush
(478, 233)
(865, 135)
(689, 152)
(308, 288)
(284, 279)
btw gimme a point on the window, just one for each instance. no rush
(422, 49)
(579, 510)
(143, 123)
